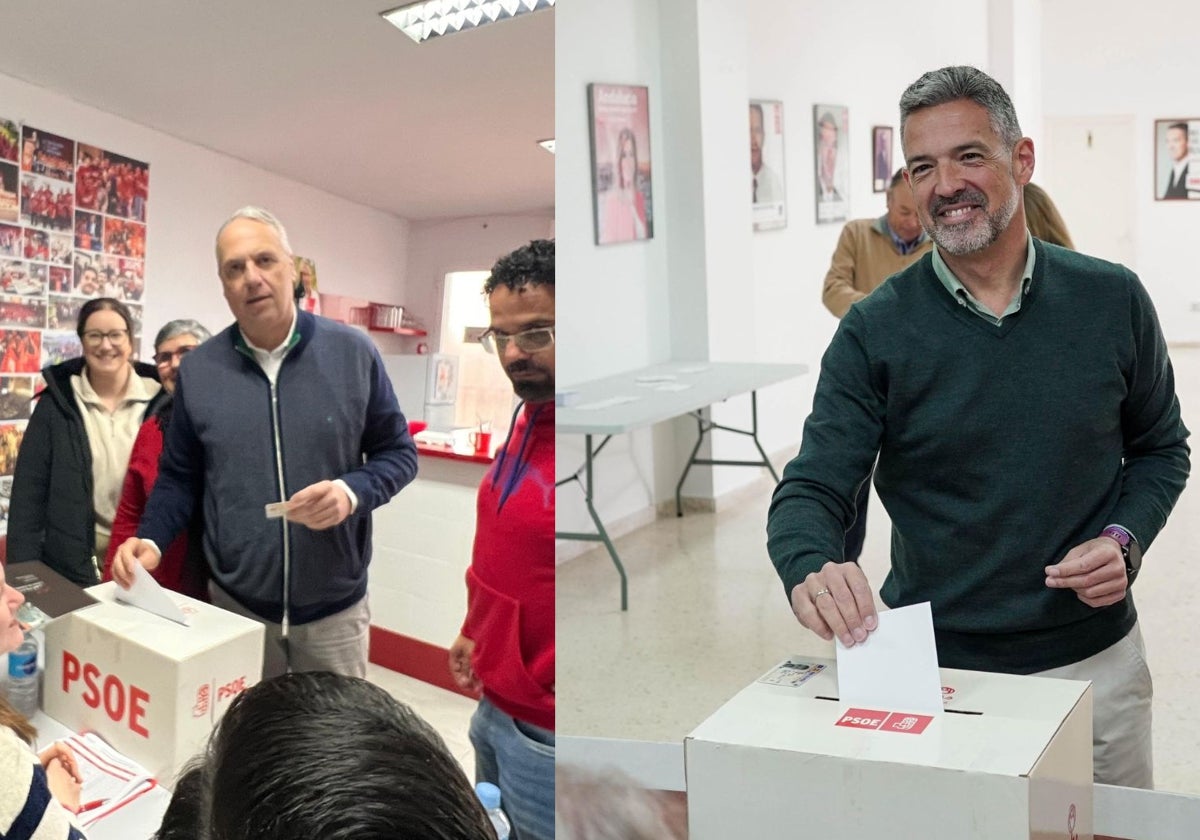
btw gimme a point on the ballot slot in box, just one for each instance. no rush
(1009, 757)
(151, 687)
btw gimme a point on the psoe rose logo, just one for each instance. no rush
(200, 709)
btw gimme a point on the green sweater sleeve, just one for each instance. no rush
(814, 503)
(1156, 454)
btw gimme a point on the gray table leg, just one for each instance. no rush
(701, 431)
(703, 428)
(754, 435)
(601, 534)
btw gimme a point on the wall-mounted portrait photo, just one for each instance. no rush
(620, 139)
(1177, 159)
(831, 128)
(766, 164)
(881, 159)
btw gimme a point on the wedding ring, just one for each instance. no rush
(819, 594)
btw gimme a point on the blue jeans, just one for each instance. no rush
(518, 758)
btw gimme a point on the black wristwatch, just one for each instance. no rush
(1130, 550)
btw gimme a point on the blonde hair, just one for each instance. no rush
(1043, 218)
(17, 722)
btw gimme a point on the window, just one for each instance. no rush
(484, 391)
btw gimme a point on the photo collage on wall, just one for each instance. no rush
(72, 227)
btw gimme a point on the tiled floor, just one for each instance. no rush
(707, 615)
(447, 712)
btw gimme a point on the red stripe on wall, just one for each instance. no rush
(413, 657)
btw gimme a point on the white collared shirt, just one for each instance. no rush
(270, 361)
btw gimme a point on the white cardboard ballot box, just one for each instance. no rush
(151, 687)
(1011, 757)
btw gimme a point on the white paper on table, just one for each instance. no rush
(608, 403)
(896, 668)
(147, 594)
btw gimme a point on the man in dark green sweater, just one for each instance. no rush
(1022, 406)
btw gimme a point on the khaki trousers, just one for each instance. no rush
(1122, 695)
(337, 643)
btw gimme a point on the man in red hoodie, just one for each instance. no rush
(506, 646)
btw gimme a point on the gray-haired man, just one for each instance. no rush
(1028, 449)
(281, 406)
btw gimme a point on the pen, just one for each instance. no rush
(90, 806)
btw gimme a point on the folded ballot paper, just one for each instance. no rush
(111, 781)
(150, 596)
(896, 667)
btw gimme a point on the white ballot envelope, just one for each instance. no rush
(150, 596)
(896, 667)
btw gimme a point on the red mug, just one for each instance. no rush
(482, 441)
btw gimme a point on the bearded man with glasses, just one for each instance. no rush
(506, 646)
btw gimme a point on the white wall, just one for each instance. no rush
(615, 297)
(745, 296)
(439, 247)
(1015, 58)
(617, 294)
(358, 251)
(1101, 59)
(422, 540)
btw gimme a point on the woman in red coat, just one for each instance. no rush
(183, 567)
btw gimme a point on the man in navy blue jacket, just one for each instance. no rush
(281, 407)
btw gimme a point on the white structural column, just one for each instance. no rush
(1015, 58)
(705, 102)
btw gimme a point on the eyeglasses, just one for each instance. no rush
(94, 338)
(165, 358)
(530, 341)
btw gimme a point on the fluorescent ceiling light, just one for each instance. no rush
(548, 145)
(431, 18)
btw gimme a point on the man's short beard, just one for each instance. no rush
(534, 392)
(531, 390)
(962, 239)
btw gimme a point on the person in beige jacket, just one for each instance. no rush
(868, 252)
(871, 250)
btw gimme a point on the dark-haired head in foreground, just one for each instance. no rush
(320, 755)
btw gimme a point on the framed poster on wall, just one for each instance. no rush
(881, 163)
(767, 191)
(443, 380)
(619, 123)
(830, 133)
(1177, 159)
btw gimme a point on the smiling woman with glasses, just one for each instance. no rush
(183, 567)
(77, 444)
